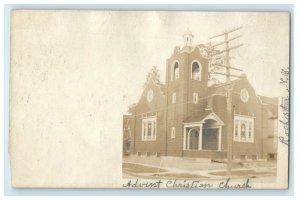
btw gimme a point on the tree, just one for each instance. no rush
(131, 109)
(154, 75)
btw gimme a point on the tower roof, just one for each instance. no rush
(187, 38)
(188, 32)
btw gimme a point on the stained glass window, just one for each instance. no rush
(250, 130)
(149, 129)
(236, 129)
(243, 128)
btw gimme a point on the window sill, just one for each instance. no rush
(243, 141)
(202, 150)
(149, 140)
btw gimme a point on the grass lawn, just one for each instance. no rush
(136, 168)
(179, 176)
(242, 173)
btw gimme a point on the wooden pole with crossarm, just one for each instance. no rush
(228, 88)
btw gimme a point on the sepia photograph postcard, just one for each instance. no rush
(149, 99)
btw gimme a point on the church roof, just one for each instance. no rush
(197, 117)
(162, 88)
(218, 89)
(271, 104)
(188, 32)
(268, 100)
(201, 117)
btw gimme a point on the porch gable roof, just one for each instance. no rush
(201, 117)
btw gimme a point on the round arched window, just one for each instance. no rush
(176, 71)
(196, 71)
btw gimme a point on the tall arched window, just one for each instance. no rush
(196, 71)
(176, 71)
(193, 139)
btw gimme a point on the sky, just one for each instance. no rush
(117, 49)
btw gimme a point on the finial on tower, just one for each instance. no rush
(187, 38)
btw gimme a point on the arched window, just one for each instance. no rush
(193, 139)
(176, 71)
(196, 71)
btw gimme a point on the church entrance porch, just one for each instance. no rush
(203, 135)
(198, 138)
(210, 138)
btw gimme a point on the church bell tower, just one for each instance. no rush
(186, 81)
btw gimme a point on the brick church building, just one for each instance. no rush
(186, 117)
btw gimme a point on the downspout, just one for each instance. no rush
(134, 138)
(167, 108)
(187, 97)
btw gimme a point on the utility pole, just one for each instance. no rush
(228, 88)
